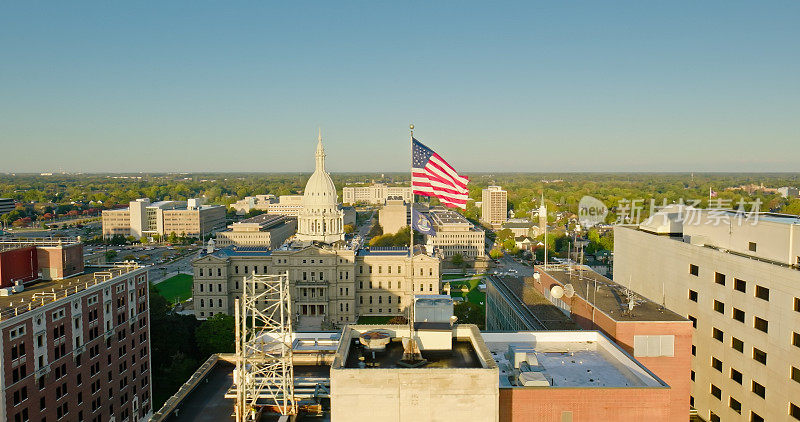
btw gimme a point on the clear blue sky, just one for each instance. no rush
(545, 86)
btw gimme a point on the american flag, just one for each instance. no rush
(431, 175)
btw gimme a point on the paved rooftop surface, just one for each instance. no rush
(610, 297)
(43, 292)
(207, 403)
(463, 356)
(568, 362)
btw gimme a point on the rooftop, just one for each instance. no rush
(264, 220)
(45, 292)
(468, 350)
(584, 359)
(608, 296)
(8, 242)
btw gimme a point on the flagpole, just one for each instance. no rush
(411, 245)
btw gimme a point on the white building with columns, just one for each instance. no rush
(320, 218)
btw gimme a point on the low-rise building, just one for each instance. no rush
(77, 349)
(144, 219)
(657, 337)
(328, 284)
(257, 202)
(268, 230)
(522, 227)
(7, 205)
(785, 192)
(455, 235)
(376, 194)
(394, 215)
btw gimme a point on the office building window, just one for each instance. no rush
(762, 292)
(759, 390)
(719, 278)
(797, 304)
(739, 285)
(796, 339)
(738, 315)
(716, 392)
(794, 411)
(737, 344)
(713, 417)
(795, 374)
(694, 321)
(761, 324)
(719, 306)
(751, 246)
(694, 270)
(736, 375)
(760, 356)
(735, 405)
(693, 295)
(718, 334)
(716, 364)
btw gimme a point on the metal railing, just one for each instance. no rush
(45, 297)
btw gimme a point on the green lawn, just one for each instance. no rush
(373, 319)
(473, 295)
(178, 287)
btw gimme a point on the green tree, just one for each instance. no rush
(349, 228)
(469, 313)
(110, 255)
(496, 253)
(458, 259)
(375, 230)
(504, 235)
(216, 335)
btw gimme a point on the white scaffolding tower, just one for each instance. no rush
(264, 372)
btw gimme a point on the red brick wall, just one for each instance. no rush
(675, 370)
(79, 378)
(18, 264)
(61, 261)
(586, 404)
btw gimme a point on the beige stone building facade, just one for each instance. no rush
(142, 218)
(269, 230)
(330, 285)
(376, 194)
(494, 206)
(455, 235)
(393, 216)
(737, 280)
(289, 205)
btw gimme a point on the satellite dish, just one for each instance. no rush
(557, 292)
(569, 290)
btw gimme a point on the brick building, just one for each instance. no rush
(655, 336)
(26, 260)
(77, 349)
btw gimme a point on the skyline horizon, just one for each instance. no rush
(518, 86)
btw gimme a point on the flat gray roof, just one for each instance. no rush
(610, 297)
(568, 359)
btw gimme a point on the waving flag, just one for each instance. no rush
(431, 175)
(422, 224)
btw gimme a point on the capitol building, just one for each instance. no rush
(332, 282)
(320, 218)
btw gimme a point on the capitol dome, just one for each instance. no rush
(320, 189)
(320, 218)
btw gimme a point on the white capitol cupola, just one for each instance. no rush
(320, 219)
